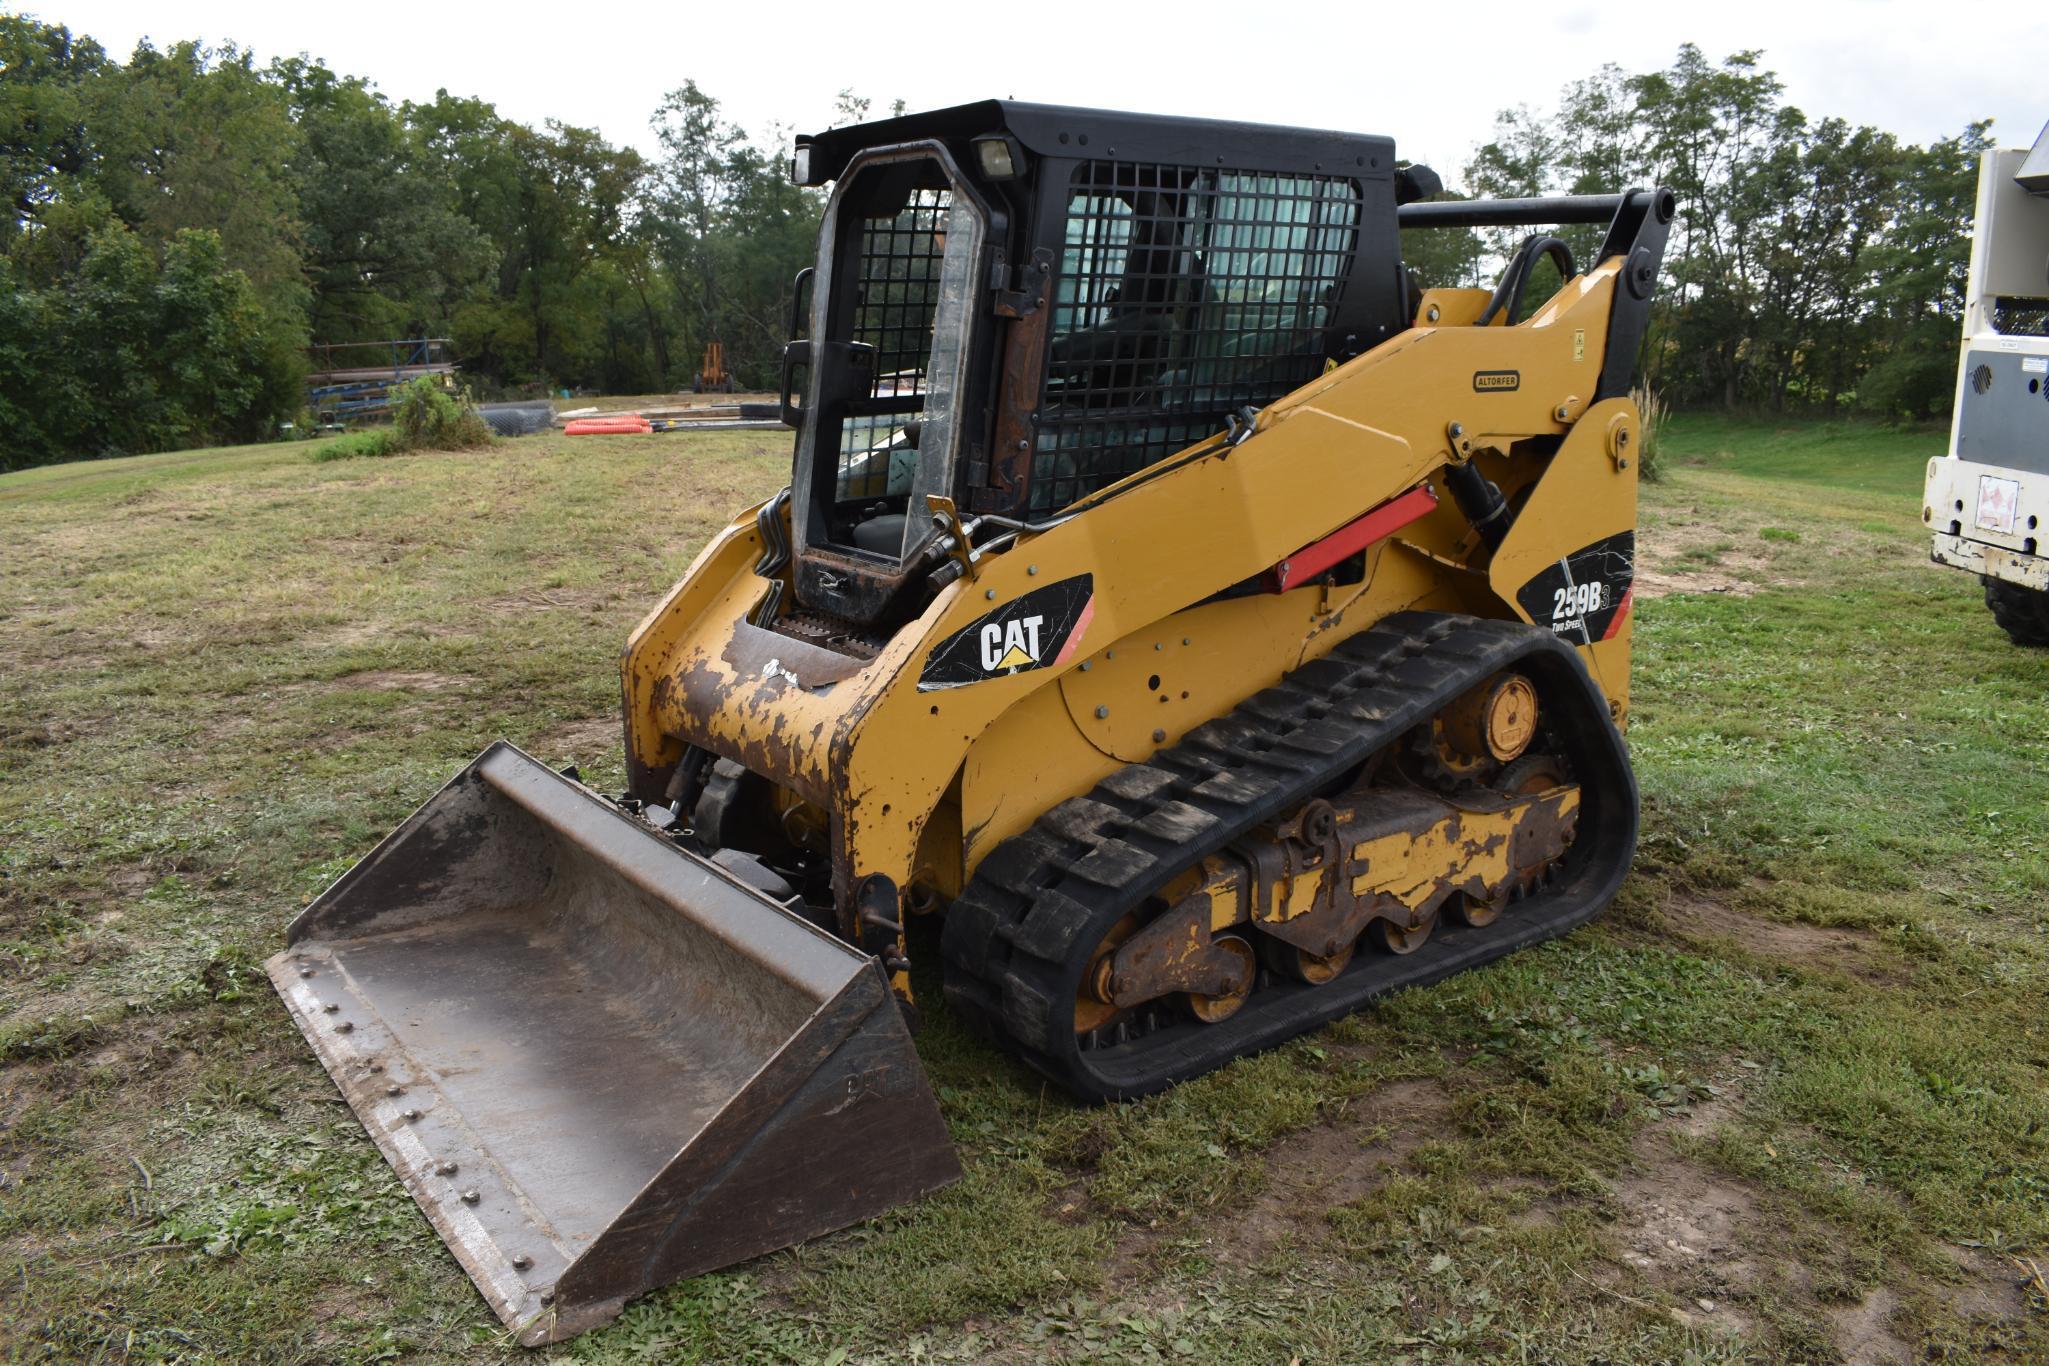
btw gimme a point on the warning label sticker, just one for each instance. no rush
(1999, 502)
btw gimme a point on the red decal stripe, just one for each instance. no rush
(1348, 540)
(1081, 627)
(1621, 613)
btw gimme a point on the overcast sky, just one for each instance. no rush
(1432, 78)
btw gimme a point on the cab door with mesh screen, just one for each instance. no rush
(1184, 293)
(893, 327)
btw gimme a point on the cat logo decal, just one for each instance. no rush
(1044, 627)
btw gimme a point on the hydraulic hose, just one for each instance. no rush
(1516, 279)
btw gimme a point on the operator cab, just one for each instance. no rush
(1015, 306)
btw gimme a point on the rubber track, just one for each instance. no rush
(1017, 938)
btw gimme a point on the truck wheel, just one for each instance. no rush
(2023, 613)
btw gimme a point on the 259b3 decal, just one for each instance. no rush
(1576, 600)
(1585, 596)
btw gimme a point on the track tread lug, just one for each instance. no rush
(1322, 675)
(1233, 787)
(1319, 739)
(968, 941)
(1081, 820)
(1027, 1010)
(1044, 930)
(1177, 823)
(1138, 782)
(1112, 863)
(1012, 863)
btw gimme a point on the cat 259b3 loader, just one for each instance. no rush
(1205, 626)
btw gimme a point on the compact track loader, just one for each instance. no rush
(1179, 624)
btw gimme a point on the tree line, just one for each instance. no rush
(1815, 265)
(185, 223)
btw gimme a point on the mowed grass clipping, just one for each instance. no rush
(1786, 1101)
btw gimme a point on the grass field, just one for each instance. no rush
(1786, 1101)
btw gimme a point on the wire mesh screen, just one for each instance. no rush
(2021, 317)
(876, 461)
(898, 270)
(1184, 294)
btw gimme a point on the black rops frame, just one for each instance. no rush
(1058, 140)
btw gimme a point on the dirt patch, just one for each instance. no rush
(396, 680)
(1309, 1174)
(1704, 1119)
(1340, 1161)
(225, 728)
(1681, 1219)
(1993, 1287)
(1690, 557)
(1693, 1233)
(353, 635)
(1702, 1239)
(552, 600)
(348, 635)
(1684, 1229)
(585, 741)
(1862, 1334)
(1318, 1170)
(1813, 946)
(342, 1305)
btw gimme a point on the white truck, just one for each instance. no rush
(1987, 501)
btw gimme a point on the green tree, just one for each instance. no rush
(689, 192)
(135, 353)
(223, 368)
(771, 233)
(191, 138)
(1807, 252)
(729, 231)
(34, 386)
(575, 193)
(1920, 274)
(549, 205)
(386, 246)
(43, 140)
(1830, 191)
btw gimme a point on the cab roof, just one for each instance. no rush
(1051, 130)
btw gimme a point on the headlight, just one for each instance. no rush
(800, 164)
(1001, 158)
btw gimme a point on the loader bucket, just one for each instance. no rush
(598, 1062)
